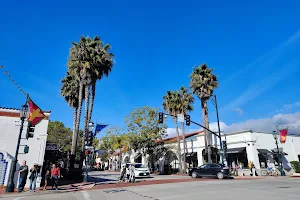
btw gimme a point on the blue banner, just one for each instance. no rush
(99, 127)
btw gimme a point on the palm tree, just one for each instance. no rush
(170, 105)
(70, 90)
(186, 105)
(202, 83)
(89, 61)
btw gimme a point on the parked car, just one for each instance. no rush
(210, 170)
(140, 170)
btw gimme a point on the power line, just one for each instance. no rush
(12, 80)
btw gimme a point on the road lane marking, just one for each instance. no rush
(18, 198)
(85, 195)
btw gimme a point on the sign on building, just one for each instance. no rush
(51, 147)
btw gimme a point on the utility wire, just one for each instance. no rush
(12, 80)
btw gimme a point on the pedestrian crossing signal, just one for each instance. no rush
(26, 149)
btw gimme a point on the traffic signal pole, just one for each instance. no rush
(214, 133)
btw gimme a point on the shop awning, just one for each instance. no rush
(191, 154)
(264, 151)
(235, 150)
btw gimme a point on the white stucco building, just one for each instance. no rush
(9, 131)
(243, 147)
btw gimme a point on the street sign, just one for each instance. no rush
(89, 147)
(51, 146)
(180, 118)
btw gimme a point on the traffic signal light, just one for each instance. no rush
(89, 138)
(161, 117)
(224, 146)
(30, 131)
(187, 120)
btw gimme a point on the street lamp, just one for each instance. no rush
(23, 116)
(275, 135)
(91, 128)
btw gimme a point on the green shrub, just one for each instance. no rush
(296, 166)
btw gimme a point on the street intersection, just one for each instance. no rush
(258, 189)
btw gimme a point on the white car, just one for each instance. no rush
(140, 170)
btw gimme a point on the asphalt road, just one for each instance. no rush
(274, 189)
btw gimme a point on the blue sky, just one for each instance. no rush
(253, 46)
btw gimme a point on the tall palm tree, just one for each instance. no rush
(79, 66)
(70, 90)
(186, 105)
(202, 83)
(170, 105)
(89, 61)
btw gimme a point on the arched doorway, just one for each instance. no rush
(171, 163)
(138, 158)
(126, 159)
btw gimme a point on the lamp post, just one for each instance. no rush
(91, 128)
(23, 116)
(278, 154)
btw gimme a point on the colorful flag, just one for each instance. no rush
(36, 115)
(283, 134)
(99, 127)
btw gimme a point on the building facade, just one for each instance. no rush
(243, 147)
(9, 131)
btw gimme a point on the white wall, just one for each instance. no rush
(9, 132)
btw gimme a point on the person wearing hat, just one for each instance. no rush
(33, 176)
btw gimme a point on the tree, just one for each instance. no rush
(60, 135)
(185, 105)
(70, 90)
(89, 61)
(171, 106)
(202, 83)
(143, 129)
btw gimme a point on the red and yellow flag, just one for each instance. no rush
(283, 134)
(36, 115)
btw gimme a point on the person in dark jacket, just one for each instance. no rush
(33, 177)
(23, 172)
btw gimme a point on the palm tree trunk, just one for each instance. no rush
(75, 134)
(79, 108)
(207, 134)
(178, 146)
(86, 110)
(91, 104)
(184, 148)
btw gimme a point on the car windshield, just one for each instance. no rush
(139, 166)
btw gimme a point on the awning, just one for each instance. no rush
(264, 151)
(280, 151)
(235, 150)
(191, 154)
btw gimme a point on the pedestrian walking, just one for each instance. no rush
(33, 177)
(55, 174)
(250, 164)
(23, 172)
(131, 173)
(47, 177)
(241, 170)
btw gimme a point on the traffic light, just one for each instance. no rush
(89, 138)
(187, 120)
(224, 146)
(26, 149)
(30, 131)
(161, 117)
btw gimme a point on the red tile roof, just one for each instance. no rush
(174, 139)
